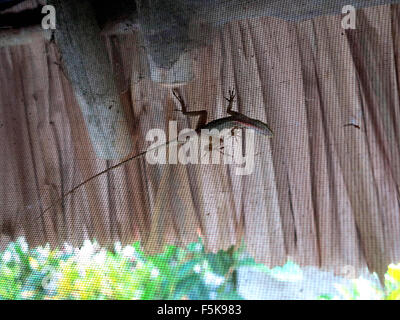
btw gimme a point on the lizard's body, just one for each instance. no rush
(236, 120)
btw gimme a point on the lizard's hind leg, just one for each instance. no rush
(233, 141)
(202, 114)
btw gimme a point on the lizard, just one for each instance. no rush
(234, 121)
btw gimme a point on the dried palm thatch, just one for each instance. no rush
(325, 188)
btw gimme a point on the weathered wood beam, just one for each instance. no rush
(15, 37)
(21, 19)
(18, 28)
(86, 62)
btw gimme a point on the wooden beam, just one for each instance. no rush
(86, 62)
(15, 37)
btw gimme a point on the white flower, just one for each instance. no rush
(366, 290)
(100, 258)
(128, 252)
(68, 249)
(212, 279)
(23, 244)
(7, 256)
(87, 249)
(197, 268)
(84, 255)
(117, 247)
(44, 251)
(154, 273)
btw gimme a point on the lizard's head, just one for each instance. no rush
(261, 127)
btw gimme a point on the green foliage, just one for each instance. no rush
(126, 273)
(392, 282)
(26, 274)
(362, 289)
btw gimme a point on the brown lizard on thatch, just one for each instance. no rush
(235, 120)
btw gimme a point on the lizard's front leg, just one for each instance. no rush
(230, 105)
(202, 114)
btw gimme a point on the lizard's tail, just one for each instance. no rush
(60, 200)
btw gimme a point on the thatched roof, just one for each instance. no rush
(322, 193)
